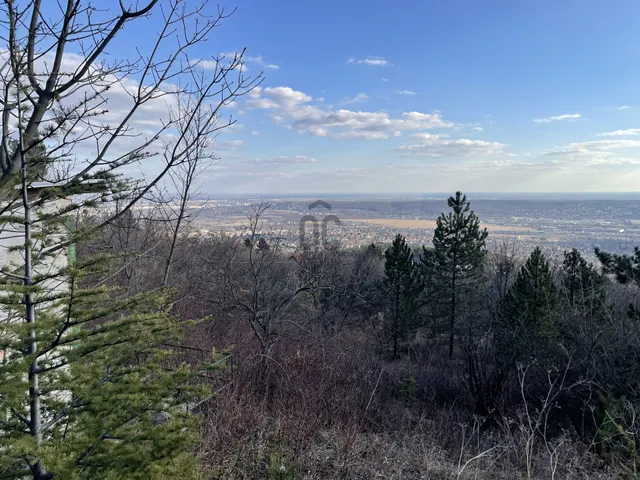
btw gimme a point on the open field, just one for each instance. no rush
(236, 222)
(409, 223)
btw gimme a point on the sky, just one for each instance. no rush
(429, 96)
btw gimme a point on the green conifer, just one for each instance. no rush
(625, 268)
(531, 307)
(403, 283)
(96, 394)
(458, 256)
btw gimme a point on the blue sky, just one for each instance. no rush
(433, 96)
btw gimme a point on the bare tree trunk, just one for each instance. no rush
(174, 236)
(452, 319)
(397, 322)
(200, 156)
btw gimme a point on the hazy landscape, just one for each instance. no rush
(557, 222)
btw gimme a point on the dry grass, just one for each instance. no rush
(249, 437)
(330, 414)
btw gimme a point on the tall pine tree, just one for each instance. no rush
(531, 306)
(403, 284)
(458, 257)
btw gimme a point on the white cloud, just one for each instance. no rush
(370, 125)
(419, 121)
(363, 135)
(258, 60)
(566, 116)
(405, 92)
(424, 136)
(596, 145)
(359, 98)
(255, 133)
(598, 152)
(276, 97)
(255, 92)
(624, 107)
(370, 60)
(261, 103)
(384, 79)
(293, 109)
(477, 129)
(617, 133)
(435, 146)
(206, 64)
(150, 127)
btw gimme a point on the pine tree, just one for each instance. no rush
(81, 389)
(531, 306)
(403, 283)
(583, 286)
(89, 387)
(625, 268)
(459, 252)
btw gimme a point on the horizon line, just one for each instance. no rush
(423, 194)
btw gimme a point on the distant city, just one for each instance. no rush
(555, 222)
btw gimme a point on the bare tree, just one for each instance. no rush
(64, 94)
(343, 285)
(258, 281)
(503, 267)
(183, 180)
